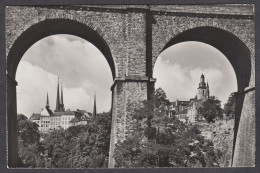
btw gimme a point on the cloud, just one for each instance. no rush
(72, 58)
(34, 83)
(178, 70)
(77, 98)
(81, 67)
(84, 70)
(196, 53)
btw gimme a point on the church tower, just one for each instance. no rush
(94, 107)
(62, 104)
(47, 102)
(203, 89)
(58, 98)
(207, 91)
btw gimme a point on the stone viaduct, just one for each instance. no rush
(131, 37)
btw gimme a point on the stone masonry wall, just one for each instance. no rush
(127, 98)
(136, 49)
(109, 25)
(244, 155)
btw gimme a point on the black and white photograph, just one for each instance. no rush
(130, 86)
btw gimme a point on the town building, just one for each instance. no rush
(81, 117)
(187, 111)
(177, 106)
(48, 120)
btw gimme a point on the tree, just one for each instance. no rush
(29, 146)
(27, 130)
(211, 109)
(174, 145)
(160, 99)
(229, 107)
(82, 146)
(168, 143)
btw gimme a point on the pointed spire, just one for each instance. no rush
(58, 97)
(94, 108)
(202, 83)
(62, 104)
(208, 88)
(47, 102)
(202, 76)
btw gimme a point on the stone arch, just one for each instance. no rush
(30, 36)
(240, 57)
(230, 45)
(52, 27)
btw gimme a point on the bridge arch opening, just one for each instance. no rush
(178, 70)
(50, 27)
(78, 66)
(236, 52)
(231, 46)
(30, 36)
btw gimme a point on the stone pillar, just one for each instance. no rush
(128, 93)
(12, 153)
(134, 87)
(244, 152)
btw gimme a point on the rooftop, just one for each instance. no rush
(184, 111)
(35, 116)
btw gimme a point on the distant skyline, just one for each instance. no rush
(83, 70)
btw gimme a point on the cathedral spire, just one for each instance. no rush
(47, 102)
(58, 97)
(94, 108)
(62, 104)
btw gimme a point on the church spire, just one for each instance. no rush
(202, 83)
(208, 89)
(47, 102)
(202, 78)
(58, 98)
(94, 108)
(62, 104)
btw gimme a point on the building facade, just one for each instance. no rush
(187, 111)
(60, 118)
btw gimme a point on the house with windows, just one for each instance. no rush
(187, 111)
(60, 118)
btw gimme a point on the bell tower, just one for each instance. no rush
(203, 89)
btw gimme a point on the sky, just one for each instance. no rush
(83, 70)
(178, 70)
(81, 67)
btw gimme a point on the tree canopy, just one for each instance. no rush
(82, 146)
(164, 142)
(157, 140)
(29, 147)
(160, 99)
(211, 109)
(229, 107)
